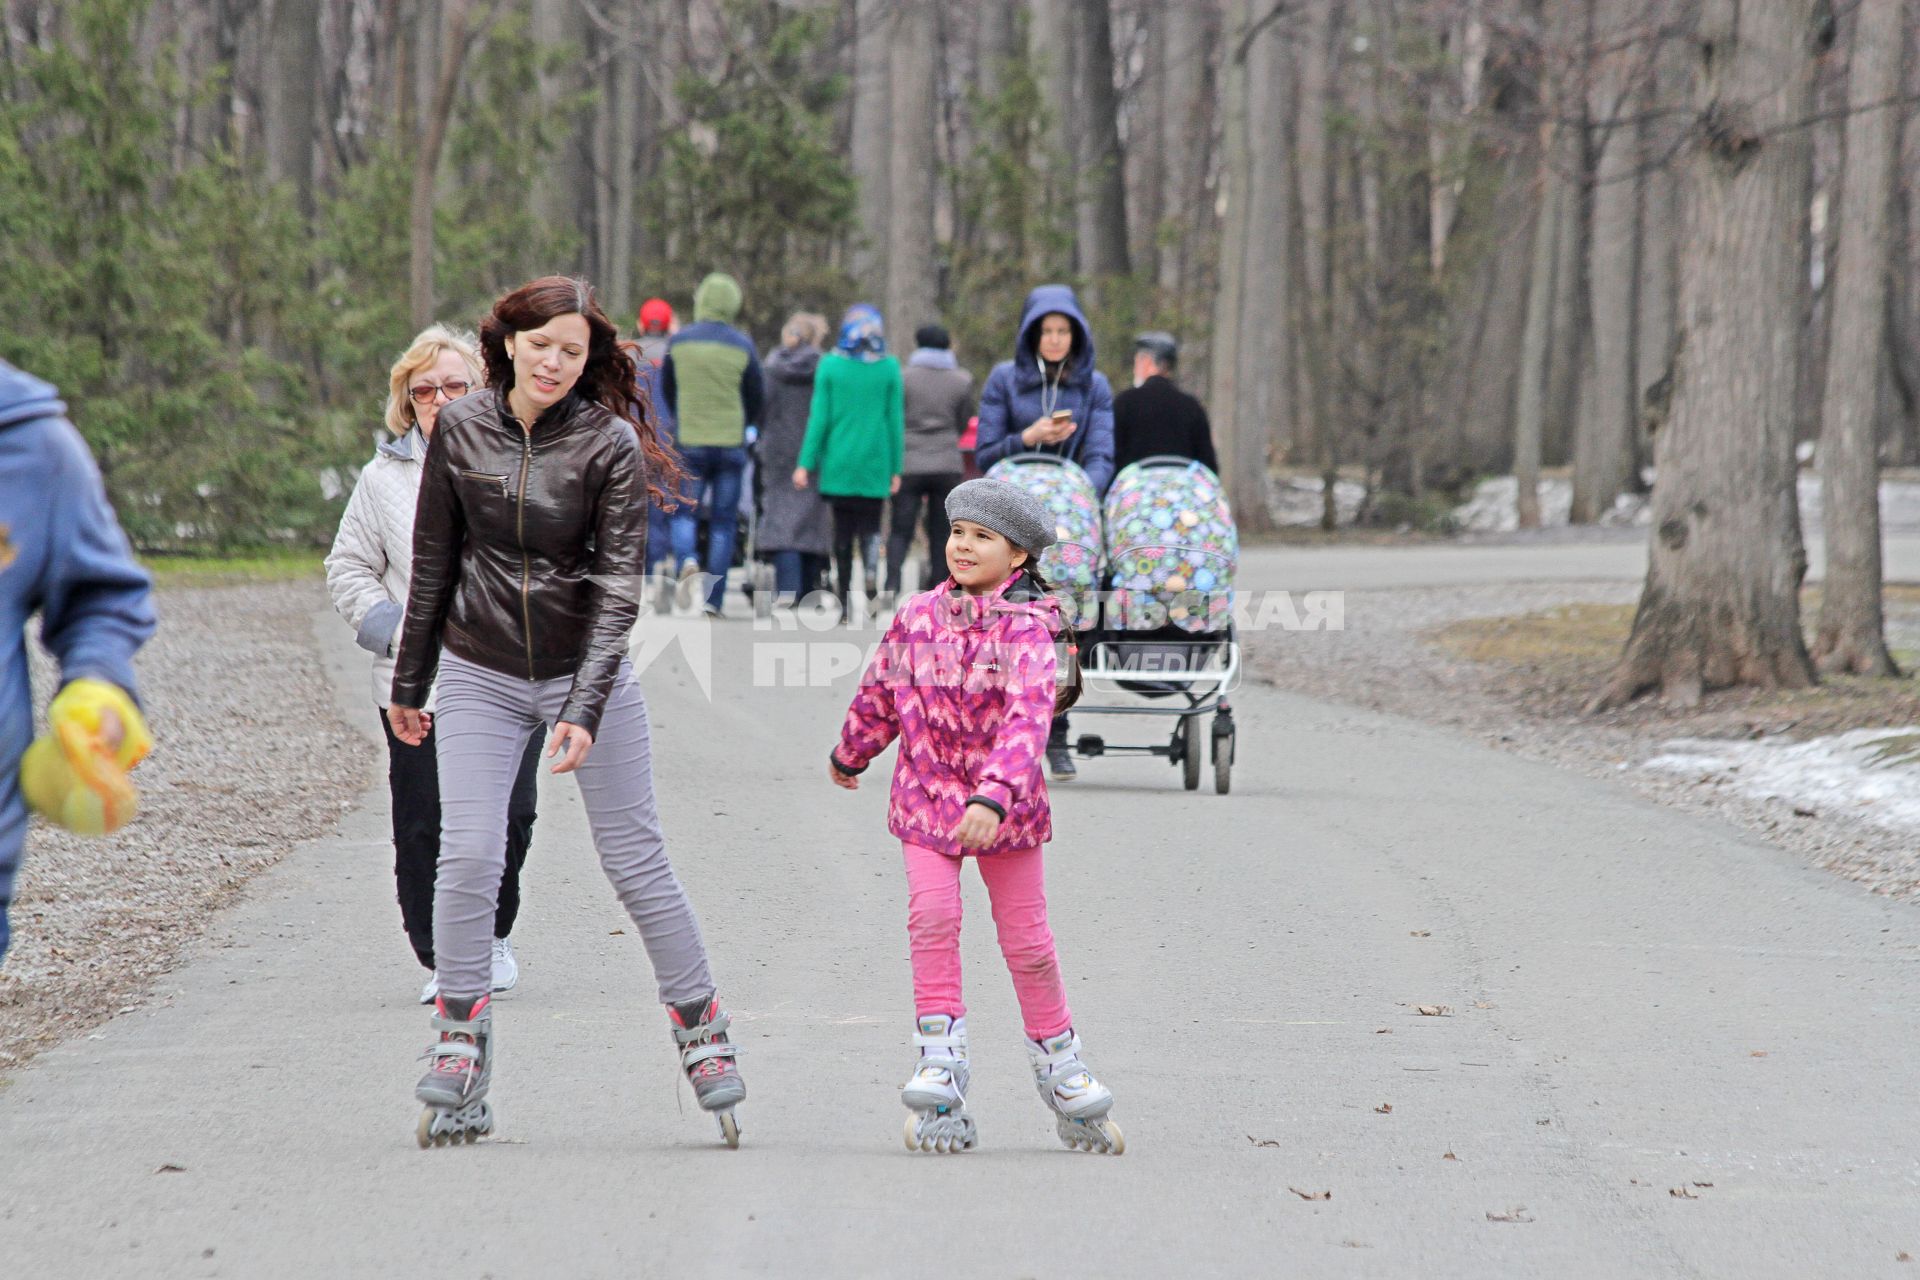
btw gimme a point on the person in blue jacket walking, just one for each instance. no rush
(63, 555)
(1052, 371)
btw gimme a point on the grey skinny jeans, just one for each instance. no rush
(481, 723)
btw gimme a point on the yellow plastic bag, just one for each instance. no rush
(70, 777)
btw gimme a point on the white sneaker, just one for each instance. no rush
(506, 969)
(431, 991)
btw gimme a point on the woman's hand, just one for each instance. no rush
(1046, 431)
(895, 491)
(799, 477)
(576, 742)
(851, 781)
(978, 826)
(410, 724)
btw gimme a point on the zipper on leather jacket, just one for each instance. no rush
(526, 565)
(489, 476)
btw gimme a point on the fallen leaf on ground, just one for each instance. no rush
(1681, 1193)
(1758, 1053)
(1903, 1256)
(1419, 933)
(1385, 1108)
(1355, 1244)
(1483, 1004)
(1263, 1142)
(1433, 1010)
(1799, 812)
(1311, 1195)
(1384, 1031)
(614, 933)
(171, 1168)
(1516, 1214)
(1451, 1156)
(1703, 1184)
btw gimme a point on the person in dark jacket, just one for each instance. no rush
(1156, 417)
(795, 525)
(939, 404)
(1052, 371)
(63, 556)
(657, 327)
(533, 509)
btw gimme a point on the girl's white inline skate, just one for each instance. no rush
(706, 1055)
(936, 1093)
(1080, 1101)
(459, 1071)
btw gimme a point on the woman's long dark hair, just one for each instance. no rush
(609, 379)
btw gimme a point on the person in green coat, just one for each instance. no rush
(856, 440)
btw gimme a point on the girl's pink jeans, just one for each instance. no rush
(1016, 885)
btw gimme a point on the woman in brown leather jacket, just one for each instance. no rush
(533, 509)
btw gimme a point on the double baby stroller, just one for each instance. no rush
(1163, 550)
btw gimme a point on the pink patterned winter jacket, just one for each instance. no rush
(967, 684)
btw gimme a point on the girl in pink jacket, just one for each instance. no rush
(965, 678)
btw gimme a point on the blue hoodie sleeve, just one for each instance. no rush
(1096, 457)
(994, 440)
(96, 602)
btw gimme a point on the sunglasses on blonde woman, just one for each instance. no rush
(424, 394)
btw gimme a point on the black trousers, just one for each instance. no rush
(413, 780)
(933, 490)
(854, 519)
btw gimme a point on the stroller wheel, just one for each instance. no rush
(1189, 733)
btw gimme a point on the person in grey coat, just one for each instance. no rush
(795, 525)
(939, 401)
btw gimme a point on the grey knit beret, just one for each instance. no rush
(1006, 509)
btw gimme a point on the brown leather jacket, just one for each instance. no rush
(510, 530)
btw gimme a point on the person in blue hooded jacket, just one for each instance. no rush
(1052, 370)
(63, 555)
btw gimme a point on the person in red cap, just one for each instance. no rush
(656, 327)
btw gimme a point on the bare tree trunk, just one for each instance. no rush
(1569, 295)
(1184, 125)
(1530, 398)
(1230, 420)
(562, 196)
(291, 94)
(1851, 638)
(872, 142)
(1721, 605)
(1103, 187)
(625, 160)
(426, 163)
(1659, 235)
(1265, 348)
(1146, 156)
(1603, 445)
(1313, 273)
(911, 282)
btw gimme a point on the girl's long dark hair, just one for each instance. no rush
(610, 378)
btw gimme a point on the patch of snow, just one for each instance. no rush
(1832, 775)
(1297, 501)
(1494, 507)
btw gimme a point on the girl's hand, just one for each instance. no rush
(851, 781)
(978, 826)
(895, 491)
(575, 740)
(799, 477)
(410, 724)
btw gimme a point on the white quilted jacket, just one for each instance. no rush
(372, 558)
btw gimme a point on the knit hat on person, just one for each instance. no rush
(656, 315)
(1008, 510)
(717, 298)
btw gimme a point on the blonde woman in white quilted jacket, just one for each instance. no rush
(367, 575)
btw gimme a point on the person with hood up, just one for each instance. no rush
(63, 556)
(794, 523)
(711, 385)
(1052, 373)
(855, 439)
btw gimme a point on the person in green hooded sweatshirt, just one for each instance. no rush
(856, 439)
(711, 383)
